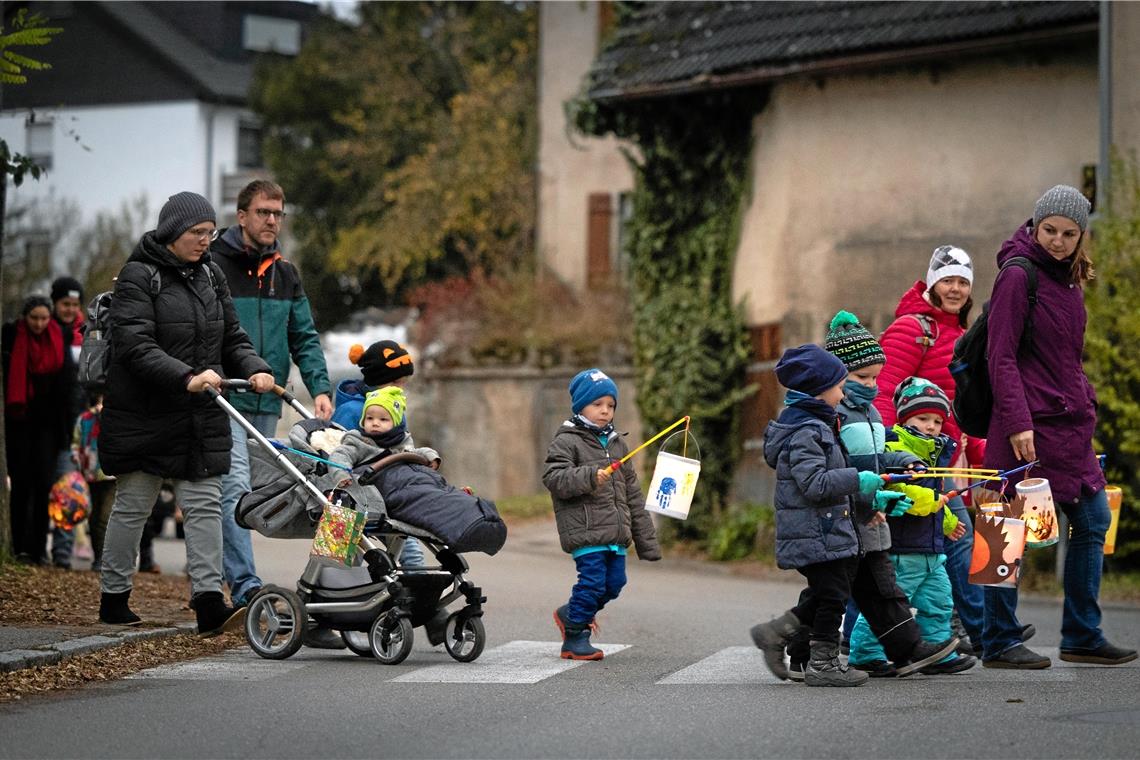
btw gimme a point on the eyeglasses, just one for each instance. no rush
(265, 213)
(207, 235)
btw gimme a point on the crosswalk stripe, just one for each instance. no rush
(520, 662)
(231, 665)
(732, 665)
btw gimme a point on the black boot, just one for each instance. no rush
(214, 615)
(771, 638)
(825, 669)
(113, 609)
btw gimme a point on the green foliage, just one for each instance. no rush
(409, 142)
(28, 31)
(525, 507)
(1112, 360)
(746, 531)
(690, 344)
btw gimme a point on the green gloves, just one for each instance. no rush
(869, 482)
(893, 503)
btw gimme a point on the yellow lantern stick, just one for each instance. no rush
(626, 458)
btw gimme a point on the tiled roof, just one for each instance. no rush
(674, 46)
(213, 77)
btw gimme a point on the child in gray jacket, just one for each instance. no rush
(598, 510)
(815, 532)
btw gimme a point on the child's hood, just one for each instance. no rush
(350, 390)
(938, 450)
(781, 430)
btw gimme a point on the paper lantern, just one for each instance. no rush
(999, 543)
(1038, 512)
(1115, 498)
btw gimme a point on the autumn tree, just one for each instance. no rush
(408, 142)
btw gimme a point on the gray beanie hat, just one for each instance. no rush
(181, 212)
(1063, 200)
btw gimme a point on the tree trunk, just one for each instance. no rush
(5, 484)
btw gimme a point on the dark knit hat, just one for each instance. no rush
(588, 386)
(385, 361)
(66, 287)
(1063, 200)
(809, 369)
(851, 342)
(914, 395)
(181, 212)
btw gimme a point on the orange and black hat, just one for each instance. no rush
(383, 362)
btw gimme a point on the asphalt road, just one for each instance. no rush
(680, 680)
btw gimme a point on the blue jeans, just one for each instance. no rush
(1084, 562)
(237, 547)
(601, 576)
(969, 599)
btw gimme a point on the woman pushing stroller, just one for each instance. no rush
(175, 333)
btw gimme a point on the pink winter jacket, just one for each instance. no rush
(902, 342)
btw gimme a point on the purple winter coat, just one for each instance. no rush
(1045, 390)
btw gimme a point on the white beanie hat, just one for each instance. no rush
(949, 261)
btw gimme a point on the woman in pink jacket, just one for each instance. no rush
(930, 317)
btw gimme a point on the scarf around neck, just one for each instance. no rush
(32, 355)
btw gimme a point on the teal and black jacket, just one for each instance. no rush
(274, 311)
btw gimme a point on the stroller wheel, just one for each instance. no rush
(358, 642)
(391, 640)
(464, 637)
(275, 623)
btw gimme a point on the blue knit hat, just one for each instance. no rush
(588, 386)
(810, 369)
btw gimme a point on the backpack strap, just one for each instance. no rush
(1030, 269)
(929, 336)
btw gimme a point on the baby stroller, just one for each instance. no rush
(376, 604)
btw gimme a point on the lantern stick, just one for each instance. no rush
(1000, 476)
(623, 460)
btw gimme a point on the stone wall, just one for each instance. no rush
(492, 425)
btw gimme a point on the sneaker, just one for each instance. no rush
(1105, 654)
(796, 670)
(925, 654)
(1018, 657)
(876, 668)
(959, 664)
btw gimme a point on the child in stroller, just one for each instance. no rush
(374, 604)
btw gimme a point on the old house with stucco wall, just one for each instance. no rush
(881, 131)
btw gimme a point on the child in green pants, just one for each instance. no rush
(917, 537)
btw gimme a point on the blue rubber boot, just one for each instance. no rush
(577, 646)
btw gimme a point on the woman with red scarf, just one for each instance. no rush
(33, 349)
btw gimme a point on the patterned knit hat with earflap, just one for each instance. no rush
(914, 395)
(851, 342)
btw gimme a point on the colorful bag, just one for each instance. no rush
(338, 534)
(69, 500)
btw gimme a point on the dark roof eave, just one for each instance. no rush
(768, 74)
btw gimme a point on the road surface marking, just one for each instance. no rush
(733, 665)
(515, 662)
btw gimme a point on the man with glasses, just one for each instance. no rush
(272, 307)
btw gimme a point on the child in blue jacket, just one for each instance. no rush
(815, 532)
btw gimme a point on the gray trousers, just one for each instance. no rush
(201, 502)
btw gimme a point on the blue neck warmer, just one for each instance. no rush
(860, 395)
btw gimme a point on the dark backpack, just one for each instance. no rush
(973, 395)
(96, 353)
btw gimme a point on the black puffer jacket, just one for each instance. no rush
(150, 422)
(588, 514)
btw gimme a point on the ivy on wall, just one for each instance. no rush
(690, 161)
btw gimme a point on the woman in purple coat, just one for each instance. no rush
(1045, 409)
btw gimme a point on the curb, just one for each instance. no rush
(53, 654)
